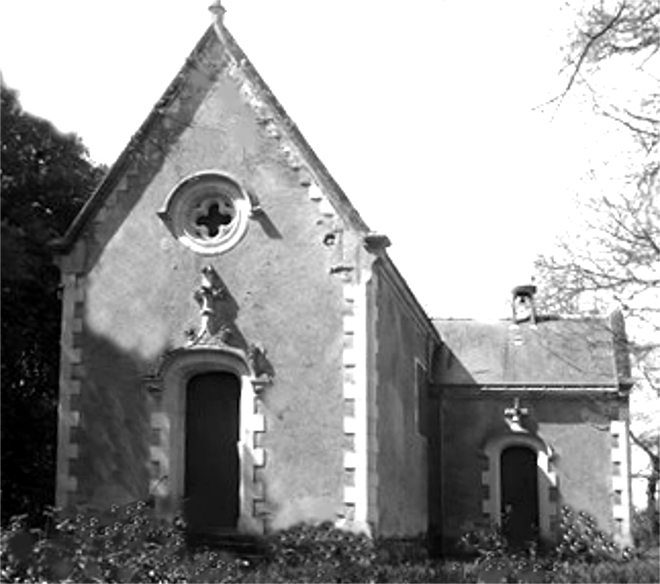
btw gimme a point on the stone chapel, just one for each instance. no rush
(239, 348)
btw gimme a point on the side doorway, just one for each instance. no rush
(519, 495)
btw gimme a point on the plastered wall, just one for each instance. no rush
(402, 464)
(576, 428)
(135, 285)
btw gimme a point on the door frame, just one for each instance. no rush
(167, 452)
(219, 407)
(491, 480)
(514, 471)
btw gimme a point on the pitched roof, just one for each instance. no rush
(574, 352)
(216, 33)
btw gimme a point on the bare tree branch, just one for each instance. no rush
(592, 39)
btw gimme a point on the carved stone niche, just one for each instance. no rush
(218, 340)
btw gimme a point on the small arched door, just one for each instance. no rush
(211, 453)
(520, 499)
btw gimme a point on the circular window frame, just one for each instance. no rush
(192, 198)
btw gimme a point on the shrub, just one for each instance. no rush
(581, 540)
(644, 529)
(584, 554)
(606, 571)
(123, 544)
(322, 553)
(129, 544)
(484, 541)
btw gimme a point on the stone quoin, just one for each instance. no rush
(239, 347)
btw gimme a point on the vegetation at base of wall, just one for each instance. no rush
(129, 544)
(582, 540)
(645, 530)
(583, 554)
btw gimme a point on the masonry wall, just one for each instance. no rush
(130, 301)
(577, 428)
(401, 350)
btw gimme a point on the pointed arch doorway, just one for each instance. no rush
(212, 465)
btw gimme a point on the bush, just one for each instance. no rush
(644, 529)
(642, 571)
(129, 544)
(123, 544)
(582, 541)
(322, 553)
(583, 554)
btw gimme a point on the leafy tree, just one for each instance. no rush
(613, 255)
(46, 177)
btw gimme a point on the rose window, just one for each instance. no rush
(207, 212)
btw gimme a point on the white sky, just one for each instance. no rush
(421, 110)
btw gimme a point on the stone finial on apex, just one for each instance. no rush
(218, 11)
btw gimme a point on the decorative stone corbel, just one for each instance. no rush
(153, 384)
(261, 368)
(376, 242)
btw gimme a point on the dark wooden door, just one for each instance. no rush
(212, 463)
(520, 500)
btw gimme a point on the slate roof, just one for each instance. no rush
(556, 352)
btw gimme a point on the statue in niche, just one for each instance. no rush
(218, 311)
(208, 296)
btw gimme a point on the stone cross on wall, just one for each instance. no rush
(513, 416)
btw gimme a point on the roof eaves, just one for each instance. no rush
(391, 270)
(621, 351)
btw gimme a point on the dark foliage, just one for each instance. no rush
(46, 177)
(129, 544)
(321, 552)
(582, 540)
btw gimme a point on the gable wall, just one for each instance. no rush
(138, 303)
